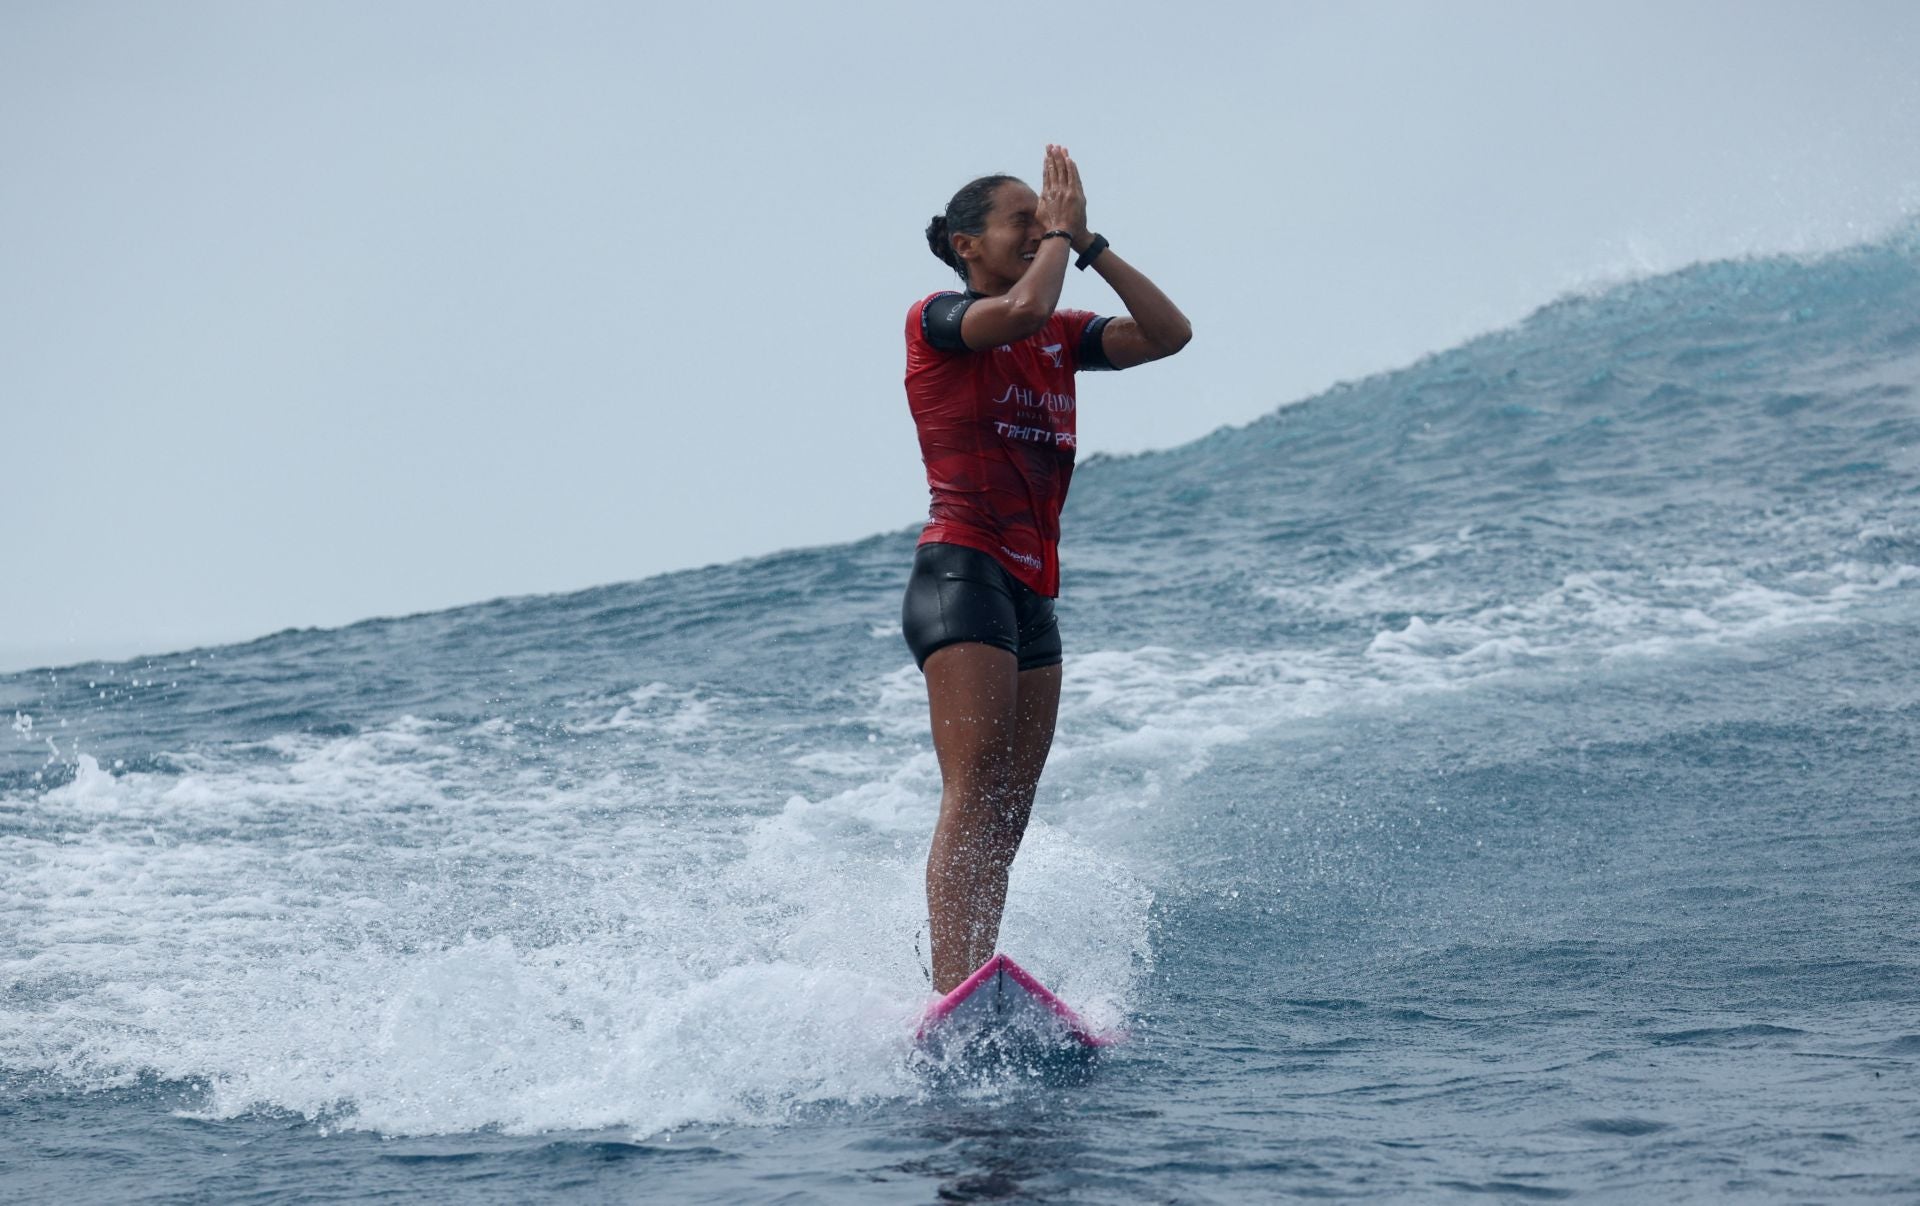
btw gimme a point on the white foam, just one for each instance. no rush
(91, 789)
(397, 930)
(1452, 637)
(655, 707)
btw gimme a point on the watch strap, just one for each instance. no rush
(1092, 252)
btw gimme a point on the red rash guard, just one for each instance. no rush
(997, 433)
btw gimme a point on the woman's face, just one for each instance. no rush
(1003, 251)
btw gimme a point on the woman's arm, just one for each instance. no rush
(1023, 309)
(1154, 327)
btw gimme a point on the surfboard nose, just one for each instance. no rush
(999, 995)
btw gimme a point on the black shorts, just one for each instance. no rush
(960, 594)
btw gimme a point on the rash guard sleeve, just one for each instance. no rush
(1092, 352)
(940, 321)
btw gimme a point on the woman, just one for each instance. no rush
(990, 380)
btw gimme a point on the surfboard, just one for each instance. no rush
(1003, 1005)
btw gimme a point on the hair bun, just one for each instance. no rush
(937, 233)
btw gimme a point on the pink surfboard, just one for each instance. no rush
(1003, 996)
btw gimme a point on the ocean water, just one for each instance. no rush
(1495, 777)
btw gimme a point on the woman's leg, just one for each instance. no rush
(992, 728)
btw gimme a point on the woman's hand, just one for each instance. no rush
(1063, 203)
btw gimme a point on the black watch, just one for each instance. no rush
(1092, 252)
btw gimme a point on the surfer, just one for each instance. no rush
(990, 381)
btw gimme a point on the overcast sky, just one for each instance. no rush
(315, 312)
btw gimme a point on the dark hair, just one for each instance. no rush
(966, 214)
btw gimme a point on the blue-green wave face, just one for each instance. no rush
(1464, 766)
